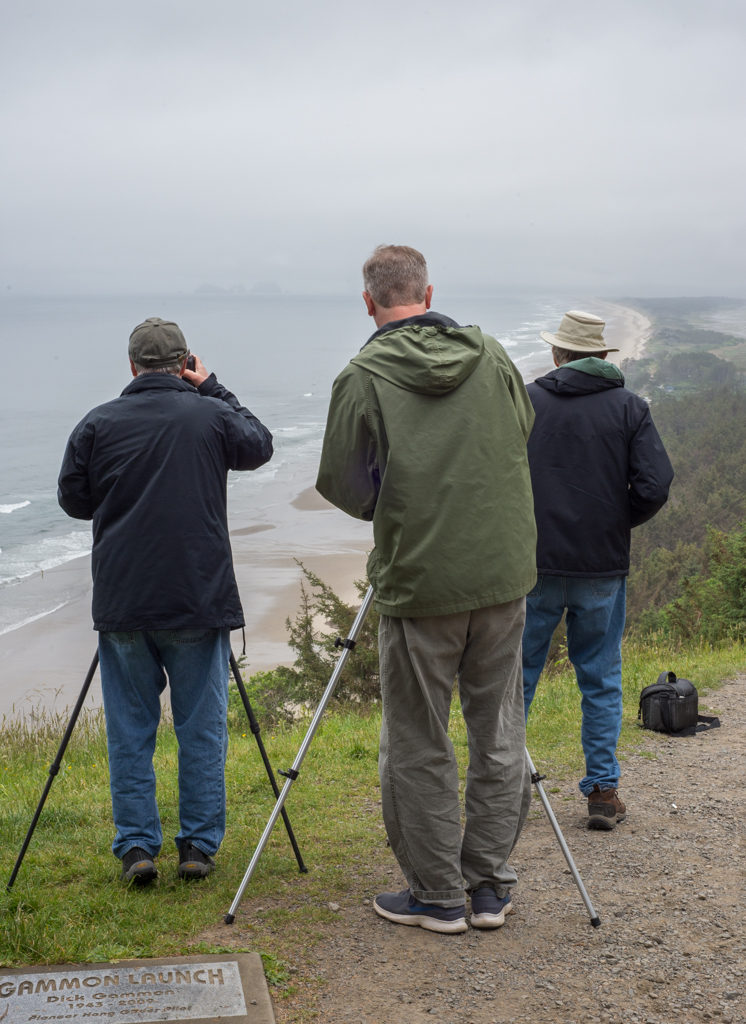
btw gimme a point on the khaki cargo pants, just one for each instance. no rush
(419, 660)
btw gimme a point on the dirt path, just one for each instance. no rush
(668, 885)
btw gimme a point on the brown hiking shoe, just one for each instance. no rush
(605, 808)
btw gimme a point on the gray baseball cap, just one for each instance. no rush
(155, 343)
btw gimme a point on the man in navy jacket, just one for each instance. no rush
(150, 469)
(598, 469)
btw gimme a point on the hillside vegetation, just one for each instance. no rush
(687, 570)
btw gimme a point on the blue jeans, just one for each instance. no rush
(133, 676)
(596, 611)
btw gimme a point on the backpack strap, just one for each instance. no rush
(667, 677)
(704, 722)
(707, 722)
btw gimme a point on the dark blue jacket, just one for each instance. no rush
(150, 469)
(598, 468)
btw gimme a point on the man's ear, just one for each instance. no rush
(428, 296)
(369, 303)
(133, 368)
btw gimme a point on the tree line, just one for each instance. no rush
(687, 562)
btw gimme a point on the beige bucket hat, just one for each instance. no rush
(579, 332)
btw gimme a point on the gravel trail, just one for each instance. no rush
(667, 884)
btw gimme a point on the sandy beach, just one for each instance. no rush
(627, 329)
(44, 662)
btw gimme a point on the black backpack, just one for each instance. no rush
(671, 705)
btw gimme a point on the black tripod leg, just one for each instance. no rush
(254, 726)
(55, 767)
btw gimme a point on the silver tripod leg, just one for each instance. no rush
(536, 780)
(292, 773)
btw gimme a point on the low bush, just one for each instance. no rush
(284, 693)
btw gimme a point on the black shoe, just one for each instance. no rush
(138, 866)
(193, 863)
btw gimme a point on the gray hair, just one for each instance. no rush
(395, 275)
(172, 368)
(566, 355)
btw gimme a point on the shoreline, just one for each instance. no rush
(45, 660)
(627, 329)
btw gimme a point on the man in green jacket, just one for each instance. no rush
(426, 437)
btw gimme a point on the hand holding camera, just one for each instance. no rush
(195, 371)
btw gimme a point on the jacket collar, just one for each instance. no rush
(596, 368)
(425, 319)
(566, 380)
(155, 382)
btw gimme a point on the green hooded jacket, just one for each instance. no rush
(426, 436)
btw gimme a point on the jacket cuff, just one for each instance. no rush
(209, 385)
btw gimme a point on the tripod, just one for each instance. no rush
(55, 766)
(292, 774)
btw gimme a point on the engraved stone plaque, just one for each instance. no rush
(199, 989)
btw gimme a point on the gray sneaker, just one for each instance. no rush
(488, 910)
(403, 908)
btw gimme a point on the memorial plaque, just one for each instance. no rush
(199, 989)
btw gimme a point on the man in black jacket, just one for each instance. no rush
(598, 468)
(150, 469)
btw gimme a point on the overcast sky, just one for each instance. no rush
(155, 145)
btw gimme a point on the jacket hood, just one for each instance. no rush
(582, 377)
(429, 354)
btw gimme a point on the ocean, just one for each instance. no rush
(279, 354)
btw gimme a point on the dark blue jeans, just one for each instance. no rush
(133, 676)
(596, 611)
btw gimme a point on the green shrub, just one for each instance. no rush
(711, 606)
(283, 694)
(705, 436)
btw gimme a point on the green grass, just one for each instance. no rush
(553, 731)
(68, 904)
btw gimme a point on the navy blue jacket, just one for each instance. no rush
(150, 469)
(598, 468)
